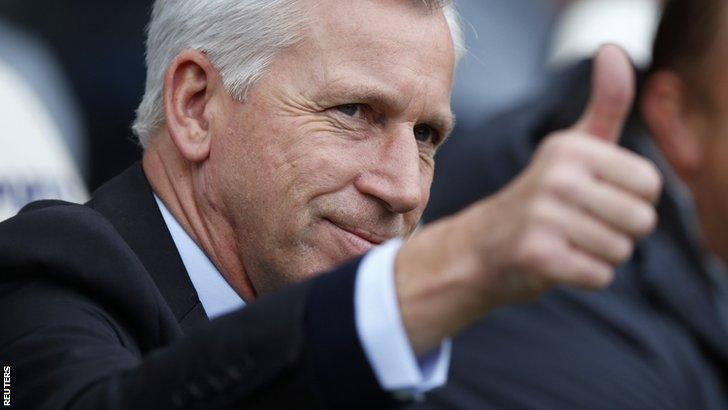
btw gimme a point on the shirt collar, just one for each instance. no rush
(216, 295)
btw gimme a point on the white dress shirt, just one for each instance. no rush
(378, 320)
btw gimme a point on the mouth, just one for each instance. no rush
(359, 241)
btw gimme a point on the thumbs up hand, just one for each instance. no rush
(611, 97)
(571, 217)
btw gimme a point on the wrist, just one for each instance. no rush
(434, 287)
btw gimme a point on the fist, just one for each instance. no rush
(571, 217)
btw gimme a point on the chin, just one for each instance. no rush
(325, 249)
(320, 261)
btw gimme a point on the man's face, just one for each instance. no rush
(332, 150)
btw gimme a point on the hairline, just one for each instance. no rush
(145, 131)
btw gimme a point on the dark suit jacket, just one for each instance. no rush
(653, 340)
(98, 312)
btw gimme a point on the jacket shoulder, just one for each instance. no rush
(63, 244)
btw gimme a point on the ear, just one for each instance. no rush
(675, 125)
(189, 86)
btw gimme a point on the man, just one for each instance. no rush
(656, 339)
(281, 139)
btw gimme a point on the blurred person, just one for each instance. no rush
(35, 159)
(656, 338)
(275, 150)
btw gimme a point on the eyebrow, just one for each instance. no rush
(372, 94)
(445, 123)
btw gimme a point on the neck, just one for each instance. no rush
(180, 186)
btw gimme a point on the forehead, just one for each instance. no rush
(394, 45)
(398, 20)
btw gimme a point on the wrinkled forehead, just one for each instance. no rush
(392, 25)
(399, 46)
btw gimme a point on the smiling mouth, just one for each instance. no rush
(359, 240)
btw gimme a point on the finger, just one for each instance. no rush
(620, 167)
(598, 240)
(622, 211)
(590, 235)
(619, 209)
(612, 95)
(630, 172)
(573, 267)
(582, 270)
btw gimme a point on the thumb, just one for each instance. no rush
(612, 94)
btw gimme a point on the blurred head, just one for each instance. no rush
(685, 105)
(304, 131)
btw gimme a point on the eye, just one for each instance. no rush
(425, 133)
(350, 109)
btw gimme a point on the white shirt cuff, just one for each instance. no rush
(382, 333)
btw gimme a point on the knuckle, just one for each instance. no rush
(593, 274)
(644, 220)
(600, 278)
(540, 211)
(536, 251)
(551, 142)
(650, 179)
(558, 144)
(623, 248)
(654, 181)
(562, 180)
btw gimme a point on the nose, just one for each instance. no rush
(395, 175)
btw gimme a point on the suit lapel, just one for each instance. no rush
(128, 202)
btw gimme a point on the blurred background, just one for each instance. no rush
(72, 74)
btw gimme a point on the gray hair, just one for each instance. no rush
(241, 38)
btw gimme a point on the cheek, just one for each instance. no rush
(321, 162)
(428, 174)
(282, 167)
